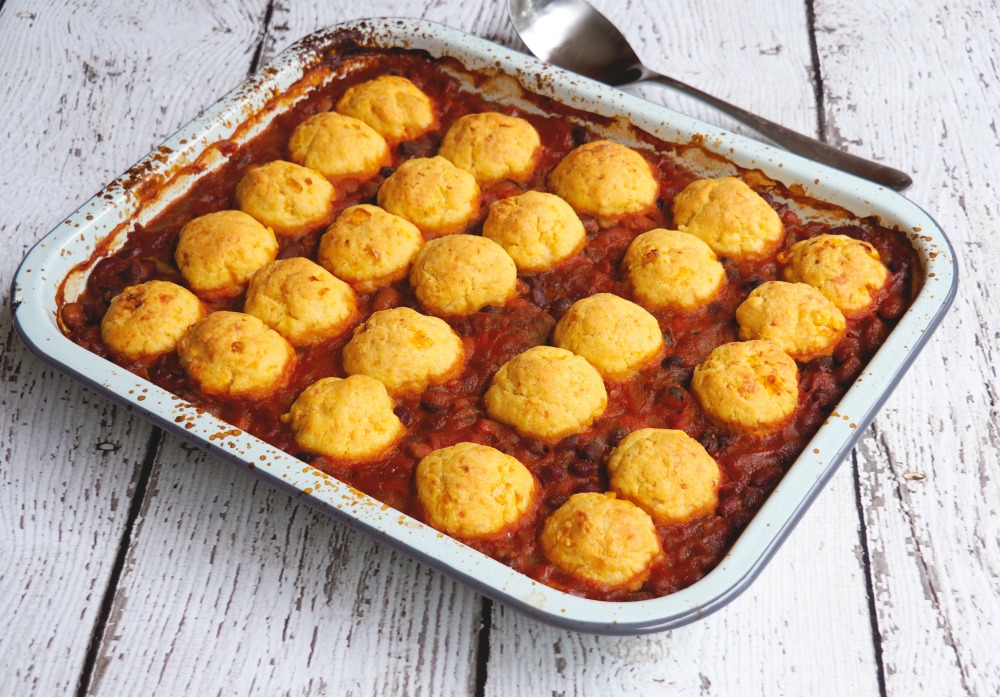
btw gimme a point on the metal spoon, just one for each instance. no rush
(575, 36)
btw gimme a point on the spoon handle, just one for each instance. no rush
(794, 141)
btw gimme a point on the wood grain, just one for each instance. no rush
(234, 588)
(931, 108)
(801, 629)
(307, 603)
(814, 591)
(889, 584)
(761, 66)
(297, 18)
(88, 89)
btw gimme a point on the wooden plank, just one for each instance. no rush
(88, 88)
(763, 66)
(925, 100)
(70, 462)
(232, 587)
(293, 20)
(812, 597)
(307, 605)
(934, 622)
(799, 630)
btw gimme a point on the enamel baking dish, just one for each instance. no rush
(143, 191)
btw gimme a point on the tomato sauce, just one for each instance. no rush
(446, 414)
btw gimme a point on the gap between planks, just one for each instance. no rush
(866, 566)
(107, 601)
(265, 30)
(138, 496)
(142, 484)
(483, 648)
(821, 131)
(817, 80)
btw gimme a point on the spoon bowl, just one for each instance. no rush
(578, 38)
(575, 36)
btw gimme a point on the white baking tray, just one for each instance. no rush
(34, 308)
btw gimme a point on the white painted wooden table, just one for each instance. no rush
(133, 565)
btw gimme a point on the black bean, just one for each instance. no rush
(765, 477)
(729, 507)
(535, 447)
(570, 442)
(409, 148)
(556, 500)
(711, 441)
(561, 306)
(538, 296)
(675, 397)
(848, 370)
(403, 414)
(593, 450)
(617, 435)
(824, 363)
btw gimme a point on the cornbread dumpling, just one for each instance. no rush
(847, 271)
(404, 349)
(602, 539)
(234, 354)
(338, 147)
(547, 393)
(672, 270)
(461, 274)
(799, 319)
(149, 319)
(747, 386)
(348, 419)
(390, 104)
(301, 300)
(730, 217)
(492, 147)
(289, 198)
(538, 230)
(606, 180)
(369, 247)
(616, 336)
(666, 473)
(217, 253)
(433, 194)
(474, 491)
